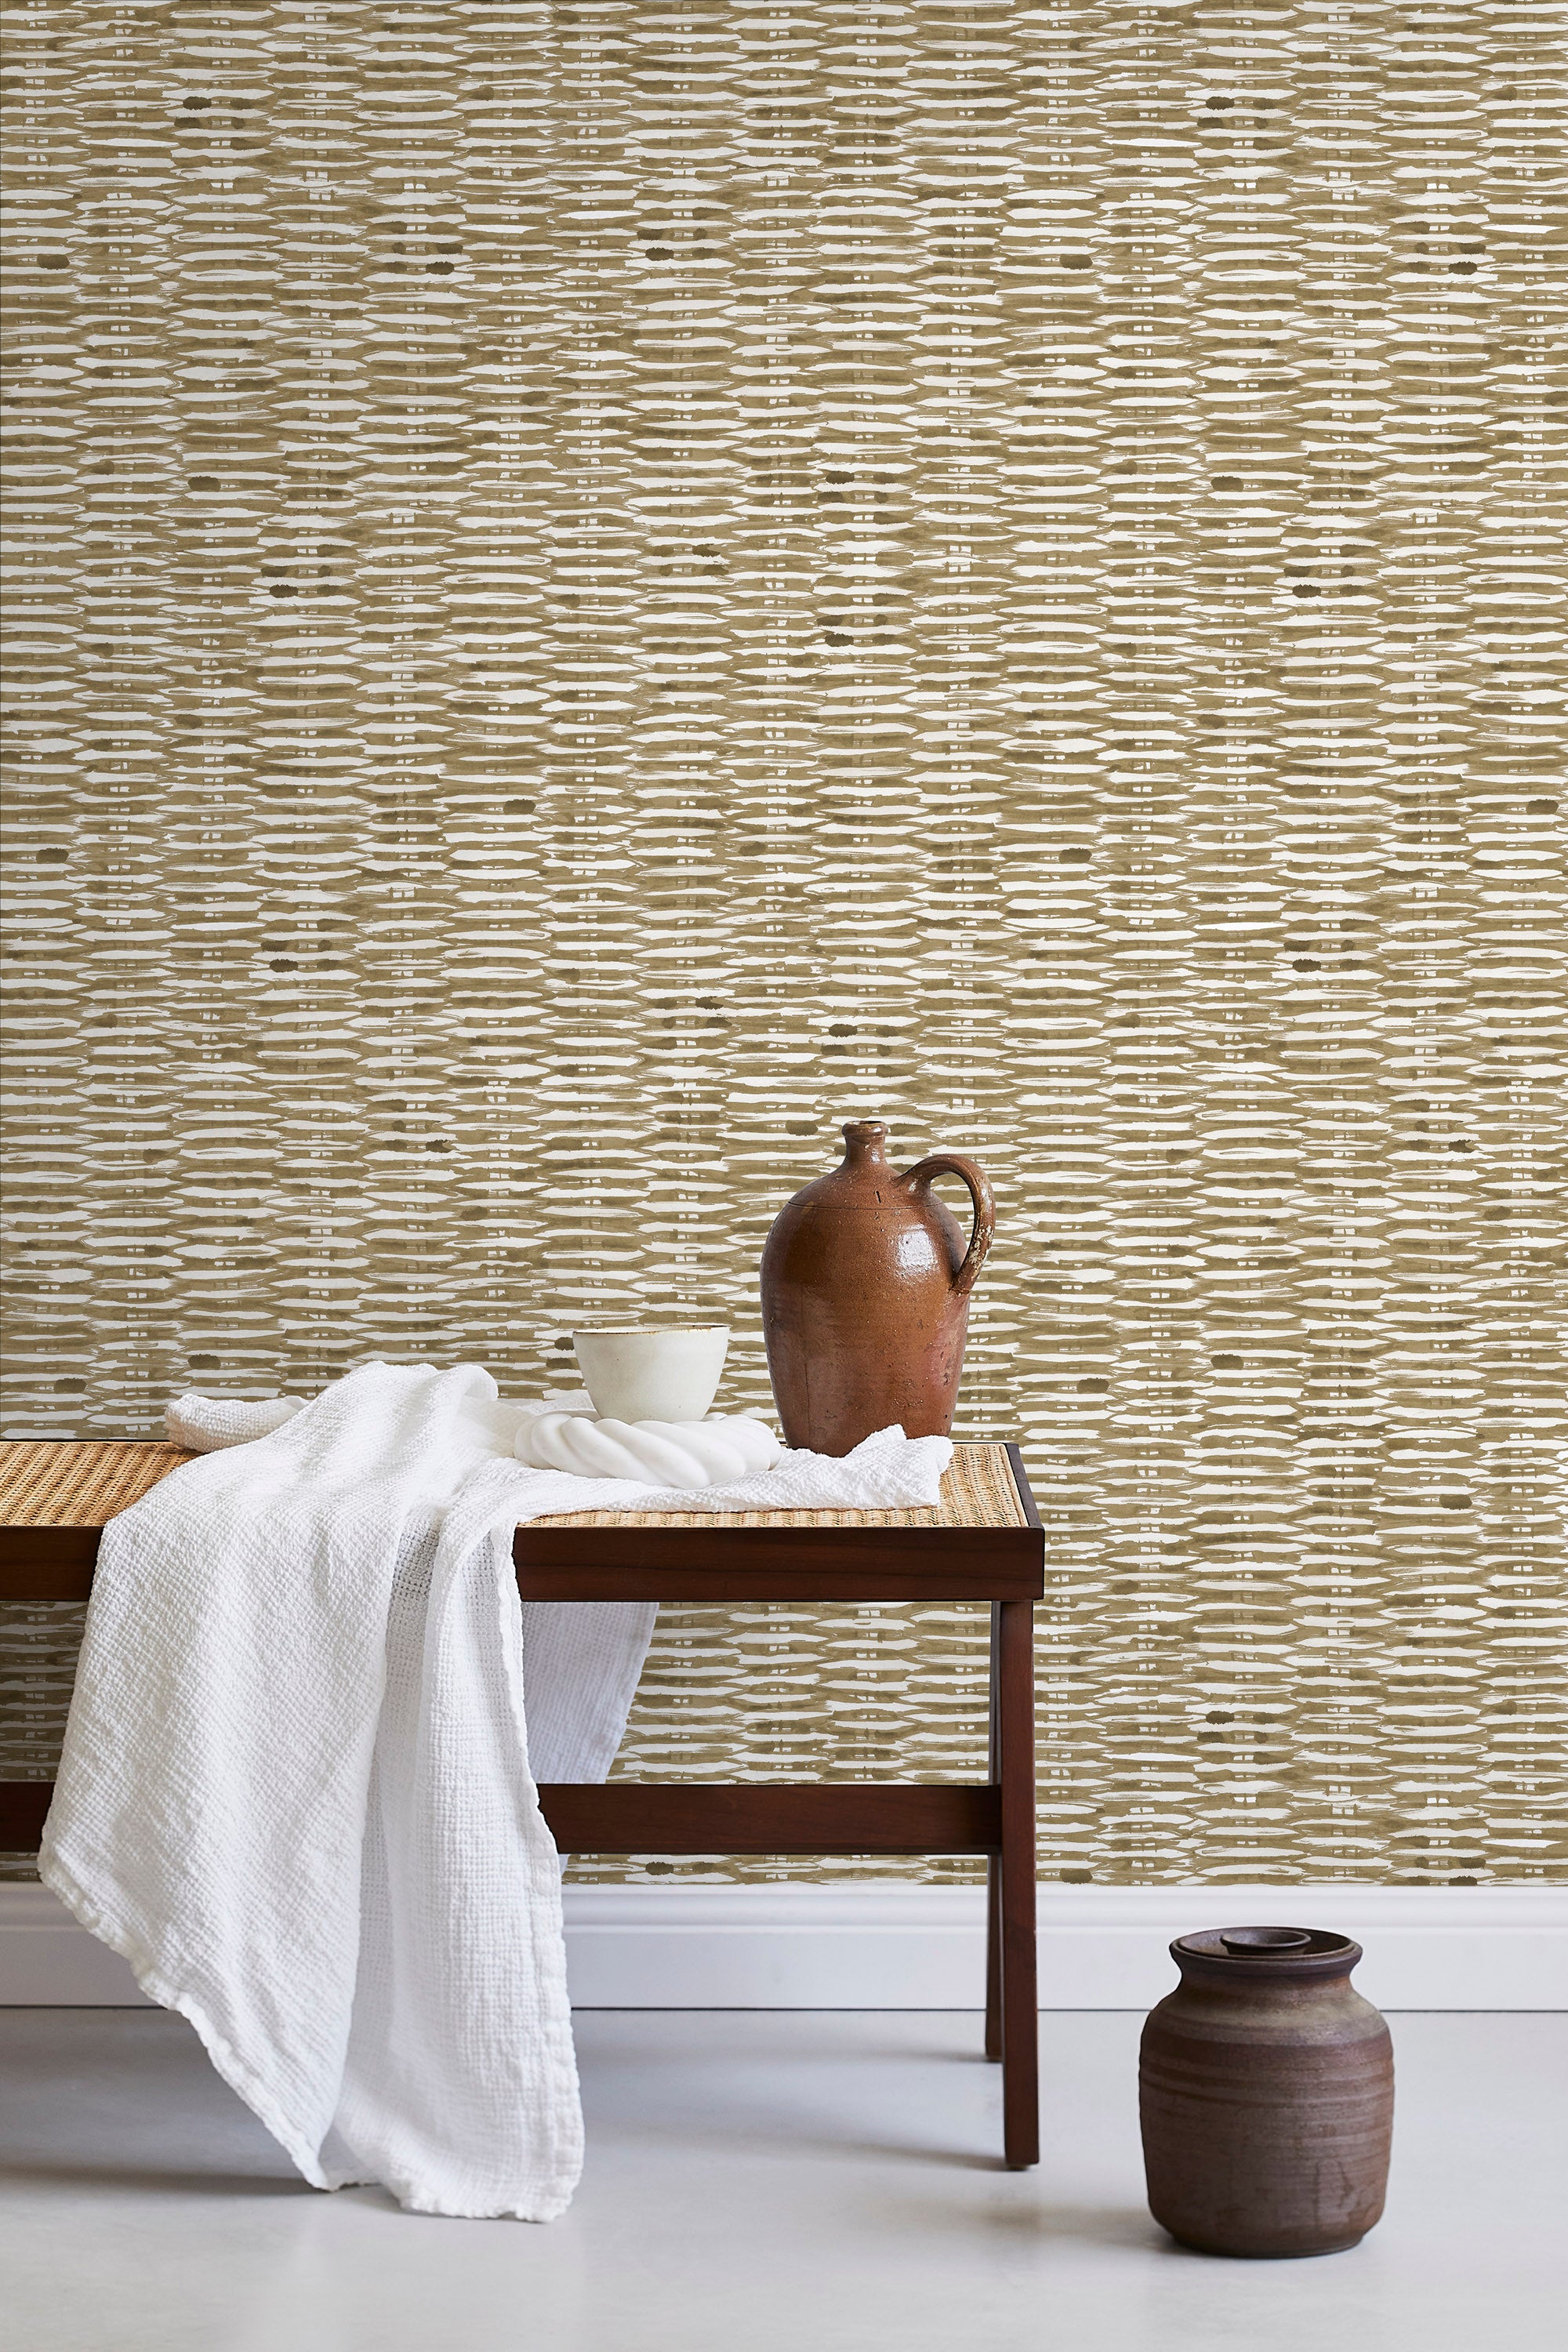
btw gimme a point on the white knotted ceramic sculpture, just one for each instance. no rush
(661, 1453)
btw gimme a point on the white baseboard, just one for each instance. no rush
(847, 1946)
(885, 1946)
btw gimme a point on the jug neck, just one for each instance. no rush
(866, 1144)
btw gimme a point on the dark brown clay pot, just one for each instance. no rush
(1266, 2090)
(866, 1282)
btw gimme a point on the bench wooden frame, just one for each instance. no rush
(1001, 1566)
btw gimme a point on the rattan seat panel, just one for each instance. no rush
(60, 1484)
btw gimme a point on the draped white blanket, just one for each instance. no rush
(296, 1789)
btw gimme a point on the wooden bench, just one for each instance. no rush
(982, 1543)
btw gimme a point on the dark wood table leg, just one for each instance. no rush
(1020, 2010)
(992, 1956)
(993, 1871)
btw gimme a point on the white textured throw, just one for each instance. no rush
(296, 1789)
(206, 1424)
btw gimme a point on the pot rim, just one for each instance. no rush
(1220, 1951)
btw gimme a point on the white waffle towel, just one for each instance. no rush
(296, 1792)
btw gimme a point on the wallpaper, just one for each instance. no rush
(595, 590)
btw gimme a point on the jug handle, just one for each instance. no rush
(950, 1163)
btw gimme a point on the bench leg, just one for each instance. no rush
(993, 1959)
(1014, 1866)
(993, 1870)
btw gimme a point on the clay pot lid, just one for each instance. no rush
(1312, 1951)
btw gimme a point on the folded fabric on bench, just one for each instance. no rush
(296, 1790)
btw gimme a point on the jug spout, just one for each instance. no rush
(865, 1138)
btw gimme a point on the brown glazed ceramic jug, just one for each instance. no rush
(1266, 2090)
(865, 1284)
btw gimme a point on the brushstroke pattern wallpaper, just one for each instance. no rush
(595, 590)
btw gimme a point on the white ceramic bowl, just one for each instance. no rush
(642, 1375)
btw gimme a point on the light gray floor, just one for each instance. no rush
(765, 2183)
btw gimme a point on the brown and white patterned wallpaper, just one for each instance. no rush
(595, 589)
